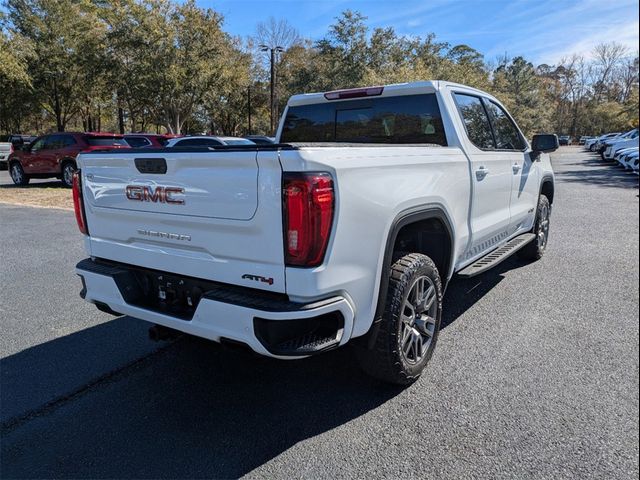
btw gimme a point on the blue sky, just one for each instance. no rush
(542, 30)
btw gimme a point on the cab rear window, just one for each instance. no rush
(394, 120)
(96, 141)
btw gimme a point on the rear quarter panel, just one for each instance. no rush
(374, 185)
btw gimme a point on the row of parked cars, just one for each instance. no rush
(619, 147)
(54, 155)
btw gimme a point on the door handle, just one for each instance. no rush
(481, 173)
(516, 168)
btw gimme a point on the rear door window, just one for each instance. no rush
(476, 120)
(68, 141)
(407, 119)
(53, 142)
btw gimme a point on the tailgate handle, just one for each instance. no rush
(151, 165)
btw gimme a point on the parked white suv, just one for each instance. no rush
(347, 230)
(629, 140)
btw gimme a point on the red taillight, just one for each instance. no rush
(308, 212)
(78, 203)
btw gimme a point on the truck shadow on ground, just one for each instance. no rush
(596, 171)
(190, 410)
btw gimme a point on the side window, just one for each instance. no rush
(198, 142)
(137, 142)
(476, 120)
(68, 141)
(507, 135)
(52, 142)
(38, 144)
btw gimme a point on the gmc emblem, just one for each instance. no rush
(158, 195)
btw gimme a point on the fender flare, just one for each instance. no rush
(547, 178)
(404, 218)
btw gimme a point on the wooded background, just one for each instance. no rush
(163, 66)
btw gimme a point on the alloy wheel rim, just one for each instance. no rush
(543, 228)
(16, 174)
(68, 174)
(418, 320)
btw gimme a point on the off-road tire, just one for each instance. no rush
(536, 248)
(385, 360)
(17, 174)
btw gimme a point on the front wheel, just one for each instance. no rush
(409, 328)
(17, 174)
(536, 248)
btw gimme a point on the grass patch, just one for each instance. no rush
(42, 195)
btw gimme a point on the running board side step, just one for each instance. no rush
(497, 256)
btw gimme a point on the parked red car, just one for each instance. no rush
(148, 140)
(54, 155)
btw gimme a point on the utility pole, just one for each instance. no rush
(249, 109)
(272, 82)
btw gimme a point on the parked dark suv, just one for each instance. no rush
(54, 155)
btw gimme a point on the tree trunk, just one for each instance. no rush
(120, 120)
(59, 124)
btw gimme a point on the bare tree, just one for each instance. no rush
(628, 77)
(276, 33)
(607, 56)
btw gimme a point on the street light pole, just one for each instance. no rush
(273, 80)
(273, 86)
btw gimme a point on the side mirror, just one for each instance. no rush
(544, 143)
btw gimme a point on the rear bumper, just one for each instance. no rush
(270, 326)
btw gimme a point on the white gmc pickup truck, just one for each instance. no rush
(346, 230)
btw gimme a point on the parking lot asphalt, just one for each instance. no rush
(535, 374)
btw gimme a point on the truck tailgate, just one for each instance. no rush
(212, 215)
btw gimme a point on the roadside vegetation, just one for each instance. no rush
(168, 66)
(43, 195)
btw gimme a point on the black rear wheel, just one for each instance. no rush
(535, 249)
(408, 331)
